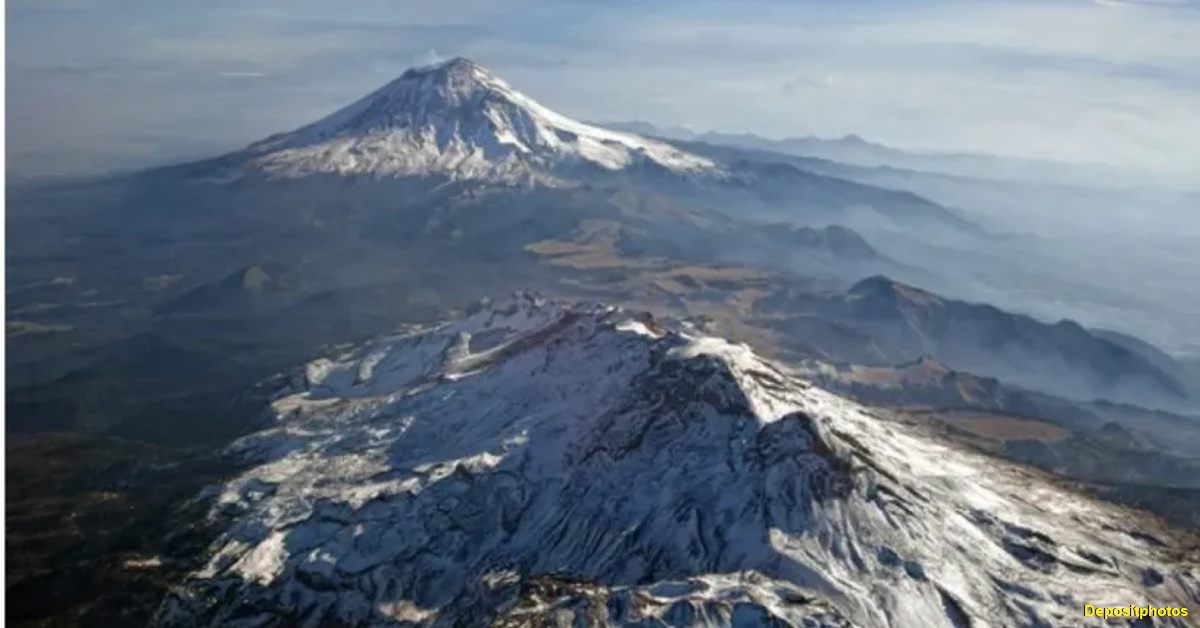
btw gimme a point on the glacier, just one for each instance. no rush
(540, 462)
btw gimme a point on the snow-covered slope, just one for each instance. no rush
(544, 462)
(455, 118)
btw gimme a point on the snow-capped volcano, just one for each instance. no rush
(457, 119)
(539, 463)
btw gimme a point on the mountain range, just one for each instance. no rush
(334, 224)
(854, 150)
(905, 323)
(412, 476)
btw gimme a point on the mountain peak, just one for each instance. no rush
(455, 118)
(874, 285)
(540, 451)
(451, 65)
(458, 75)
(842, 242)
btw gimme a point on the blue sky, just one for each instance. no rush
(101, 84)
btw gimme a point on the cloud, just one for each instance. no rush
(1072, 80)
(1067, 81)
(429, 57)
(1125, 3)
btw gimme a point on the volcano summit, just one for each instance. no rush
(457, 119)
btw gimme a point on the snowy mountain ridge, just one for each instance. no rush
(457, 119)
(539, 461)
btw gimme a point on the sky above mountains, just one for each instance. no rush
(100, 84)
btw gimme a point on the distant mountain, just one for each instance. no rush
(641, 127)
(457, 121)
(1174, 432)
(854, 150)
(540, 463)
(246, 288)
(926, 382)
(835, 241)
(830, 251)
(1187, 373)
(456, 118)
(823, 192)
(931, 384)
(904, 323)
(1080, 440)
